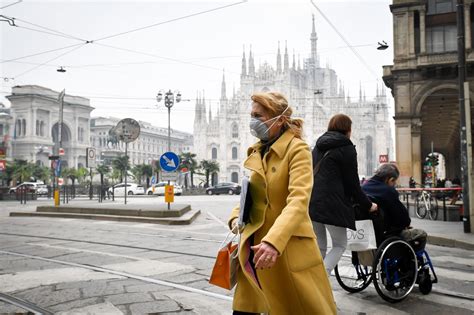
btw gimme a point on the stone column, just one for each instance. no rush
(411, 33)
(422, 32)
(403, 142)
(33, 123)
(467, 25)
(416, 157)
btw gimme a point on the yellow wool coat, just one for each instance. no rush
(280, 186)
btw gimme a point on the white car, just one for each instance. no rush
(31, 187)
(160, 189)
(132, 189)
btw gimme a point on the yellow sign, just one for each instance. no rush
(169, 193)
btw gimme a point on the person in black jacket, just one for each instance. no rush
(336, 189)
(381, 188)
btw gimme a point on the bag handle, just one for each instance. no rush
(318, 165)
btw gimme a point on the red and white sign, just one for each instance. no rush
(61, 151)
(3, 165)
(383, 158)
(60, 181)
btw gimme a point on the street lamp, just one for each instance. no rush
(170, 98)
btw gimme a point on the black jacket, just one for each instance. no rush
(396, 217)
(336, 185)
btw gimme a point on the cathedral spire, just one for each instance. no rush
(251, 63)
(278, 59)
(210, 112)
(223, 87)
(314, 45)
(294, 62)
(203, 107)
(286, 64)
(197, 116)
(299, 64)
(360, 92)
(244, 65)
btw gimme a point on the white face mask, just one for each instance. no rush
(259, 128)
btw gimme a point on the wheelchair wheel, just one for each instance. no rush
(395, 269)
(424, 281)
(352, 276)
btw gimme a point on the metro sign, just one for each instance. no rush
(61, 151)
(383, 158)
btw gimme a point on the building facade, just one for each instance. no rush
(33, 125)
(314, 92)
(29, 131)
(424, 82)
(149, 146)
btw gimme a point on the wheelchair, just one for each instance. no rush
(395, 267)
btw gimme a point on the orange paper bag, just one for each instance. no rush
(224, 273)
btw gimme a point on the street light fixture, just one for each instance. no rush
(382, 45)
(170, 98)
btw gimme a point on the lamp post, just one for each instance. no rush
(169, 102)
(170, 98)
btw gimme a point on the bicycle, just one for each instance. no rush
(426, 204)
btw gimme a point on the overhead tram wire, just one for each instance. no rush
(11, 4)
(40, 53)
(172, 20)
(36, 67)
(51, 30)
(44, 32)
(356, 53)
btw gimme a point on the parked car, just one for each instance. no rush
(160, 189)
(132, 189)
(224, 188)
(31, 187)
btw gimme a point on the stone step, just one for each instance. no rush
(185, 219)
(120, 210)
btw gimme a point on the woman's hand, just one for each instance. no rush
(374, 207)
(265, 255)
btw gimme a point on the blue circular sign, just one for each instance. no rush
(169, 162)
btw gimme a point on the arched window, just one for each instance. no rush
(214, 153)
(235, 130)
(23, 127)
(234, 153)
(234, 177)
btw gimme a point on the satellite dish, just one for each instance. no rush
(127, 130)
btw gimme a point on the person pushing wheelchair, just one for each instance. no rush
(396, 220)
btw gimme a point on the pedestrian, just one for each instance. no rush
(336, 189)
(281, 269)
(412, 182)
(381, 187)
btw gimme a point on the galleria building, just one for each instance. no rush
(314, 92)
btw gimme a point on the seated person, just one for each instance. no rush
(381, 189)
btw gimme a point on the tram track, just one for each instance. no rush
(123, 274)
(111, 244)
(23, 304)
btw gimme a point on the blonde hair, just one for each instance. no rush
(276, 104)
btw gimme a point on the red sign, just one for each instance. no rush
(383, 158)
(184, 169)
(3, 165)
(61, 151)
(60, 181)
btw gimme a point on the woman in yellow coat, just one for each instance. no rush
(281, 267)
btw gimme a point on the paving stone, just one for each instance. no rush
(75, 304)
(177, 277)
(101, 308)
(128, 298)
(6, 308)
(102, 289)
(52, 298)
(124, 309)
(156, 307)
(80, 284)
(145, 288)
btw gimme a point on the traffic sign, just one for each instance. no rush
(383, 158)
(169, 162)
(3, 165)
(153, 180)
(171, 176)
(61, 151)
(91, 157)
(60, 181)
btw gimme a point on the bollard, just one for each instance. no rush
(56, 197)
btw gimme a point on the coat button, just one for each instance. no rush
(274, 169)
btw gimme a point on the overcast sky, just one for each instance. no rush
(122, 74)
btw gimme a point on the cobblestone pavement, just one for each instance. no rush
(170, 265)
